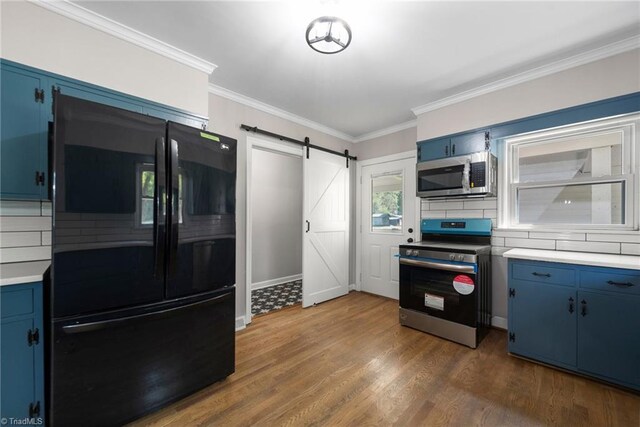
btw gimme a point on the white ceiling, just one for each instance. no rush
(403, 54)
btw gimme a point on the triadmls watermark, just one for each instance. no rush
(26, 421)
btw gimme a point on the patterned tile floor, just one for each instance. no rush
(276, 297)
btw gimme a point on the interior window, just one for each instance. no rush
(577, 177)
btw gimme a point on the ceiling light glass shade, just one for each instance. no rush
(328, 34)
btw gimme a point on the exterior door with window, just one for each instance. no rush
(388, 220)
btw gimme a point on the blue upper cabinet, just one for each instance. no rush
(455, 145)
(27, 116)
(470, 143)
(23, 135)
(433, 149)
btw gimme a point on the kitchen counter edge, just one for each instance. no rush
(22, 272)
(631, 262)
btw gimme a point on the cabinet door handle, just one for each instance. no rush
(535, 273)
(571, 306)
(453, 149)
(583, 308)
(446, 150)
(620, 284)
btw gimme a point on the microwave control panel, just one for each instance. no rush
(477, 175)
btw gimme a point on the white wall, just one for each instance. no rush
(225, 117)
(397, 142)
(606, 78)
(37, 37)
(276, 202)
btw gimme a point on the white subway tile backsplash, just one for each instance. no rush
(19, 208)
(597, 247)
(490, 213)
(445, 205)
(619, 238)
(16, 239)
(480, 204)
(631, 249)
(556, 235)
(24, 223)
(434, 214)
(464, 213)
(497, 241)
(35, 253)
(506, 233)
(515, 242)
(46, 238)
(46, 208)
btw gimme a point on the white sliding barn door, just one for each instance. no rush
(325, 250)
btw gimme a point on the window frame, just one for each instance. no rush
(508, 186)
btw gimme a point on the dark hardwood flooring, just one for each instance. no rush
(348, 362)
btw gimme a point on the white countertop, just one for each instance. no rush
(583, 258)
(22, 272)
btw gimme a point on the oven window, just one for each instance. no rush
(386, 202)
(440, 179)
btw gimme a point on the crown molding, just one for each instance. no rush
(386, 131)
(535, 73)
(259, 105)
(109, 26)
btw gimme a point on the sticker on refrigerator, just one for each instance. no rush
(463, 284)
(434, 301)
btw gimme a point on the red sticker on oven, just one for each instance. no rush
(463, 284)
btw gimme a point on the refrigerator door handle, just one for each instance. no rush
(160, 210)
(104, 324)
(174, 206)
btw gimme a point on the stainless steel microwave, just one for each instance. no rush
(468, 175)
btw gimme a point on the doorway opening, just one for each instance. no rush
(275, 189)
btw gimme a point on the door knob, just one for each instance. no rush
(410, 230)
(410, 240)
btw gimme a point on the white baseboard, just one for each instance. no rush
(277, 281)
(352, 287)
(240, 325)
(499, 322)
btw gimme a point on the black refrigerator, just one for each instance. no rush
(140, 294)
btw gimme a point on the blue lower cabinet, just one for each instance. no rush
(609, 336)
(545, 325)
(581, 318)
(22, 370)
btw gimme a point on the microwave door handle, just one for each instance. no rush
(438, 265)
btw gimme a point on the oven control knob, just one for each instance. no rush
(414, 252)
(452, 257)
(460, 257)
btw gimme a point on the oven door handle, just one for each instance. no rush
(438, 266)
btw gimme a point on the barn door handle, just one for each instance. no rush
(308, 226)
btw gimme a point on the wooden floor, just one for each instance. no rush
(349, 362)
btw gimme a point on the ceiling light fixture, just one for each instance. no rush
(328, 34)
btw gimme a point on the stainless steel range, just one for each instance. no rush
(445, 280)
